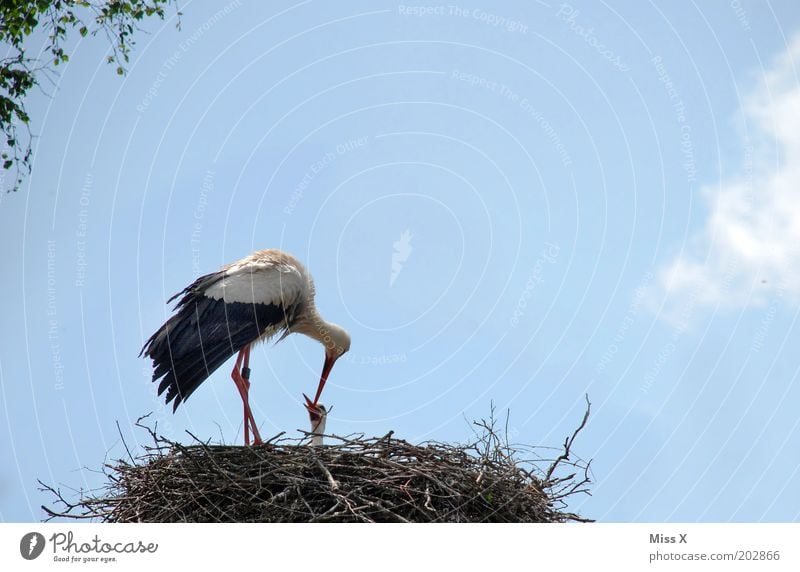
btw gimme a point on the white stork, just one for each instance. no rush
(227, 311)
(317, 415)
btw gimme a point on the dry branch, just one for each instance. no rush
(352, 479)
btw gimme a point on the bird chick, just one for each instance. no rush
(317, 416)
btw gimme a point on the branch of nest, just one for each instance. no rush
(352, 479)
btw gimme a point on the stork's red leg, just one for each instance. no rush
(240, 375)
(246, 377)
(238, 382)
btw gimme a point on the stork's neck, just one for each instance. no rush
(317, 430)
(335, 338)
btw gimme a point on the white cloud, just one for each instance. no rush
(749, 250)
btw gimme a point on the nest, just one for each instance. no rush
(350, 479)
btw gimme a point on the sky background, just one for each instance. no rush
(518, 203)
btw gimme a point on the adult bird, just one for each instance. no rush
(267, 293)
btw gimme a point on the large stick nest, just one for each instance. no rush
(350, 479)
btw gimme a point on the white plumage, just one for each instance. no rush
(317, 416)
(262, 282)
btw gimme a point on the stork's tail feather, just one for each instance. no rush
(180, 358)
(204, 333)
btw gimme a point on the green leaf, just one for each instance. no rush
(53, 21)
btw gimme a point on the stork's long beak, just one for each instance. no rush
(326, 369)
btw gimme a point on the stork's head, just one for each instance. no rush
(317, 416)
(337, 342)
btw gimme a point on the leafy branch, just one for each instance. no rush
(19, 19)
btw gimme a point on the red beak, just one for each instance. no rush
(313, 410)
(326, 369)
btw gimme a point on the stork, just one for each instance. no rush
(267, 293)
(317, 415)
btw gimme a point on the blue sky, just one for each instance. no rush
(517, 203)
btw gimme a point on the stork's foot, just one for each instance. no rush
(254, 429)
(249, 421)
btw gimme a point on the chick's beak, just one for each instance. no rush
(313, 410)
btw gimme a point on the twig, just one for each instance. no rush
(366, 479)
(569, 441)
(122, 437)
(331, 481)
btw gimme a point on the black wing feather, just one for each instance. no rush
(204, 333)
